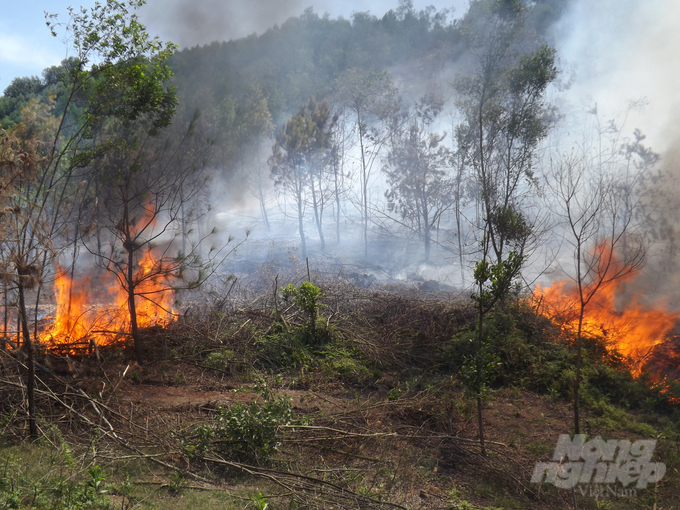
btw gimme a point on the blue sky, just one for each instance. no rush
(26, 46)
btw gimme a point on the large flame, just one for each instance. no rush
(621, 319)
(83, 317)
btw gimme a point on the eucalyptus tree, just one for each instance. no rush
(505, 114)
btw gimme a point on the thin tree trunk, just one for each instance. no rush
(577, 381)
(303, 243)
(263, 206)
(28, 346)
(318, 212)
(6, 300)
(460, 246)
(134, 330)
(426, 225)
(337, 203)
(480, 375)
(364, 184)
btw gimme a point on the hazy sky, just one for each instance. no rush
(26, 47)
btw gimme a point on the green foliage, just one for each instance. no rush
(306, 296)
(26, 485)
(260, 502)
(250, 432)
(349, 365)
(480, 369)
(96, 481)
(279, 349)
(177, 483)
(494, 281)
(120, 66)
(219, 359)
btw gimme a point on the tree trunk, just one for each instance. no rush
(132, 308)
(577, 381)
(303, 243)
(6, 301)
(337, 204)
(426, 227)
(318, 212)
(480, 375)
(364, 184)
(263, 206)
(28, 346)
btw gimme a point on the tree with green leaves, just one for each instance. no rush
(504, 111)
(119, 72)
(505, 117)
(417, 173)
(493, 283)
(299, 157)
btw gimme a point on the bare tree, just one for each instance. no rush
(605, 241)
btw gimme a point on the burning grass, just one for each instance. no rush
(634, 329)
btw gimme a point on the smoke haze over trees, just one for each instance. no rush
(393, 177)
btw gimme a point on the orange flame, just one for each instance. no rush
(631, 327)
(79, 321)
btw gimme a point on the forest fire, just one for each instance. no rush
(622, 320)
(85, 319)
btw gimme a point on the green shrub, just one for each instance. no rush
(306, 296)
(251, 432)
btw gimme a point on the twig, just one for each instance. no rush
(269, 474)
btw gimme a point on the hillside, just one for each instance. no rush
(240, 402)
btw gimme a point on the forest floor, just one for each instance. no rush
(224, 415)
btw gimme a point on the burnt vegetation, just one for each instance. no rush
(319, 369)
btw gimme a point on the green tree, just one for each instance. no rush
(120, 73)
(298, 158)
(493, 283)
(417, 173)
(504, 110)
(505, 117)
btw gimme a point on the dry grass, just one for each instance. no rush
(391, 440)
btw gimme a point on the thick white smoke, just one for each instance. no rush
(622, 51)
